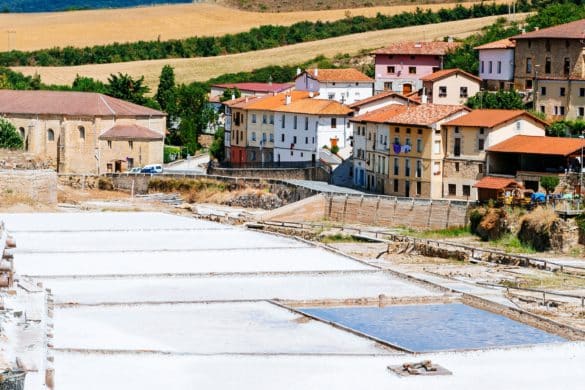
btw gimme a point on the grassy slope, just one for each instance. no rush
(202, 69)
(87, 28)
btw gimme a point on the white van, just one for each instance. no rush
(152, 168)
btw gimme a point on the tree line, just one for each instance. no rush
(264, 37)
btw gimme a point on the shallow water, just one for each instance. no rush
(428, 328)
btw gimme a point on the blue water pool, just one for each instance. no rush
(428, 328)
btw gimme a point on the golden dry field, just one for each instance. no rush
(96, 27)
(204, 68)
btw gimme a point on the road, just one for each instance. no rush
(192, 165)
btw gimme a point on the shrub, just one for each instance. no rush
(549, 183)
(9, 136)
(105, 183)
(536, 228)
(171, 153)
(475, 217)
(493, 225)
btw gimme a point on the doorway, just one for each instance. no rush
(406, 88)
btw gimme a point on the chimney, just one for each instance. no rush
(536, 28)
(233, 96)
(424, 99)
(450, 39)
(523, 31)
(298, 71)
(287, 100)
(311, 94)
(316, 72)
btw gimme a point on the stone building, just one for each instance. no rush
(85, 133)
(550, 67)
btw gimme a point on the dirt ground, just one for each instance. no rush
(204, 68)
(99, 27)
(295, 5)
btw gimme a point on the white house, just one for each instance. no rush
(343, 85)
(304, 126)
(496, 64)
(449, 86)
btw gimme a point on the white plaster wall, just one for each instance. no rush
(527, 127)
(347, 93)
(495, 55)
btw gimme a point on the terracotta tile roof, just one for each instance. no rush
(272, 102)
(381, 96)
(573, 30)
(131, 133)
(257, 87)
(505, 43)
(441, 74)
(495, 183)
(382, 115)
(315, 107)
(241, 101)
(338, 75)
(491, 118)
(426, 114)
(553, 146)
(418, 48)
(69, 103)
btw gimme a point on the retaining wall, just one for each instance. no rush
(36, 185)
(394, 212)
(311, 173)
(19, 159)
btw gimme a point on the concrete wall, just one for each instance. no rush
(504, 56)
(453, 84)
(393, 212)
(38, 185)
(318, 174)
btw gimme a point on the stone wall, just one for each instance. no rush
(37, 185)
(19, 159)
(79, 181)
(393, 211)
(312, 173)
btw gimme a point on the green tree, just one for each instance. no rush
(549, 183)
(9, 137)
(194, 114)
(558, 129)
(228, 93)
(506, 100)
(165, 94)
(87, 84)
(123, 86)
(217, 148)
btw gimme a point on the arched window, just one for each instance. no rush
(21, 130)
(81, 132)
(50, 135)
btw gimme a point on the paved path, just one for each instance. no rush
(193, 165)
(324, 187)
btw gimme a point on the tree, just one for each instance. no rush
(506, 100)
(194, 114)
(165, 94)
(230, 93)
(217, 148)
(123, 86)
(87, 84)
(9, 137)
(549, 183)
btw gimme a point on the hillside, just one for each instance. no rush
(202, 69)
(87, 28)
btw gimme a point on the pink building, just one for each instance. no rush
(400, 66)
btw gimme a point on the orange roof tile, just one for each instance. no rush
(272, 102)
(339, 75)
(426, 114)
(441, 74)
(505, 43)
(553, 146)
(573, 30)
(237, 101)
(131, 132)
(381, 115)
(491, 118)
(315, 106)
(495, 183)
(418, 48)
(381, 96)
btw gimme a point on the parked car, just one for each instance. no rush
(135, 170)
(152, 168)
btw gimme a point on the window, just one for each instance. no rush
(581, 92)
(480, 144)
(283, 121)
(331, 96)
(295, 140)
(395, 185)
(547, 65)
(306, 140)
(419, 131)
(418, 168)
(253, 136)
(408, 142)
(271, 119)
(396, 166)
(452, 189)
(381, 138)
(528, 65)
(437, 147)
(437, 168)
(457, 147)
(408, 130)
(562, 91)
(295, 122)
(443, 91)
(282, 137)
(456, 167)
(542, 91)
(263, 137)
(490, 67)
(264, 118)
(307, 123)
(547, 45)
(131, 144)
(333, 123)
(110, 144)
(419, 145)
(482, 131)
(480, 168)
(21, 131)
(412, 69)
(81, 130)
(456, 129)
(407, 167)
(313, 140)
(463, 92)
(51, 135)
(528, 84)
(581, 111)
(499, 67)
(562, 110)
(556, 110)
(397, 129)
(271, 137)
(567, 66)
(418, 187)
(466, 190)
(390, 69)
(253, 118)
(518, 126)
(253, 155)
(542, 109)
(388, 86)
(482, 67)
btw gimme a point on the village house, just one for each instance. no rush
(343, 85)
(467, 139)
(236, 134)
(550, 67)
(400, 66)
(496, 65)
(249, 89)
(449, 86)
(85, 133)
(380, 100)
(305, 125)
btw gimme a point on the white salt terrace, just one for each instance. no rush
(160, 301)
